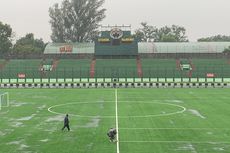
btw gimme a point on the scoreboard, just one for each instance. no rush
(116, 41)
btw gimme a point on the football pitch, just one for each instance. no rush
(147, 120)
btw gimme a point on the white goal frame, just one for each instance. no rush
(6, 94)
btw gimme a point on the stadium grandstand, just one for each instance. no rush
(116, 56)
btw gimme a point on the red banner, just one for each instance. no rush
(210, 75)
(66, 49)
(21, 75)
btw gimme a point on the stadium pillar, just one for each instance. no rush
(72, 74)
(64, 75)
(92, 68)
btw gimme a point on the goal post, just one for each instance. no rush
(4, 99)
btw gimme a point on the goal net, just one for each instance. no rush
(4, 100)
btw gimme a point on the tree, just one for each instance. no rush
(217, 38)
(227, 50)
(150, 33)
(145, 33)
(29, 44)
(171, 34)
(5, 38)
(76, 20)
(168, 38)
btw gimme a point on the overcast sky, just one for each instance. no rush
(199, 17)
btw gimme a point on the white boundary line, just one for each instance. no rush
(118, 149)
(193, 142)
(8, 101)
(183, 109)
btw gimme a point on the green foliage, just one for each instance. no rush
(146, 33)
(5, 37)
(76, 20)
(227, 50)
(217, 38)
(29, 44)
(150, 33)
(168, 38)
(171, 34)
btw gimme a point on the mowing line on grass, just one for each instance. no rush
(118, 149)
(174, 128)
(1, 112)
(192, 142)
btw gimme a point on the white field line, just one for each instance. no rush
(192, 142)
(174, 129)
(118, 149)
(183, 109)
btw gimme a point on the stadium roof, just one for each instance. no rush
(186, 47)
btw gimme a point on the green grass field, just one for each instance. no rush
(148, 120)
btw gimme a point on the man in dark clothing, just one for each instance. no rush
(112, 134)
(66, 123)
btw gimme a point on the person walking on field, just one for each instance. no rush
(66, 123)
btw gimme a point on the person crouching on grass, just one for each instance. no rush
(66, 123)
(112, 134)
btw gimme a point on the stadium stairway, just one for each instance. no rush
(4, 64)
(92, 67)
(178, 64)
(228, 62)
(139, 67)
(41, 65)
(55, 64)
(193, 68)
(42, 73)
